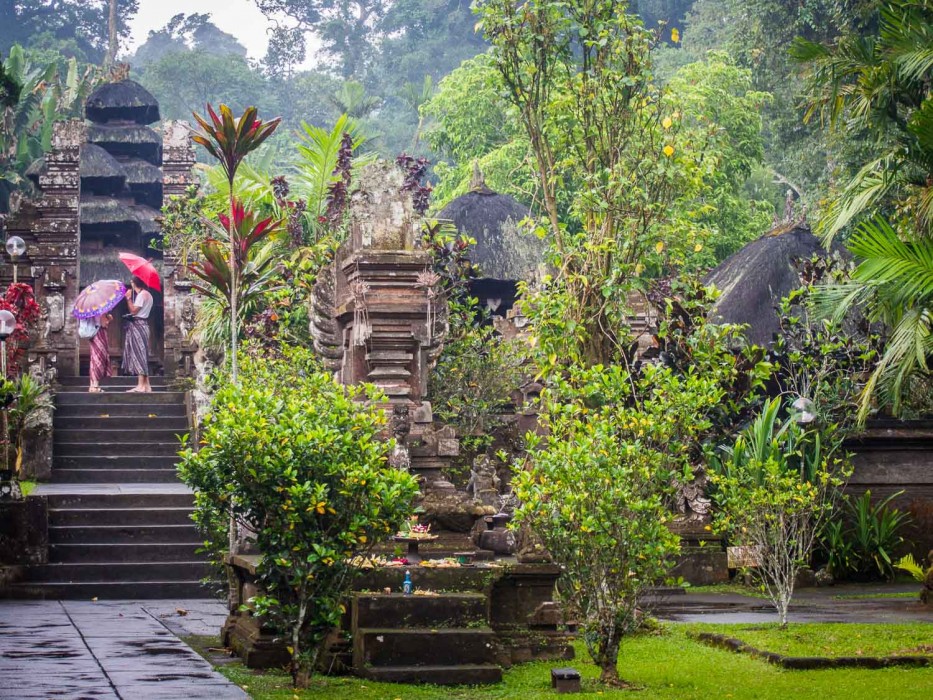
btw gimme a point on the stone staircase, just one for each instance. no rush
(443, 639)
(119, 518)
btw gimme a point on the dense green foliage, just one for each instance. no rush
(774, 487)
(862, 537)
(629, 436)
(879, 85)
(35, 95)
(298, 460)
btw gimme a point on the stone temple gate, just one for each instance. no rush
(101, 188)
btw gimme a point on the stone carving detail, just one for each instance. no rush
(691, 502)
(484, 482)
(55, 308)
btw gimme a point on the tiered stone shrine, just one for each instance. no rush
(380, 317)
(101, 187)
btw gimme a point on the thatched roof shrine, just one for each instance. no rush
(125, 100)
(127, 140)
(757, 277)
(101, 173)
(501, 251)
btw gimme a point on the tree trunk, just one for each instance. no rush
(234, 275)
(112, 29)
(608, 662)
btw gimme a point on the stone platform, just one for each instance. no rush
(475, 621)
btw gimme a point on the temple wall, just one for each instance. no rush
(895, 456)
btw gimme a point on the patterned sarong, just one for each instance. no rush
(136, 347)
(100, 356)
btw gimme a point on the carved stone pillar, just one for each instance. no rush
(54, 255)
(177, 161)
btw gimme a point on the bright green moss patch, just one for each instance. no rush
(831, 640)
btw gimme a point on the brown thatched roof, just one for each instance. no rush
(130, 140)
(501, 252)
(125, 100)
(144, 180)
(109, 213)
(101, 173)
(756, 278)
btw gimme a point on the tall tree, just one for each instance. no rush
(82, 24)
(347, 28)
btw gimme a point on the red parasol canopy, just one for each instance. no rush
(143, 269)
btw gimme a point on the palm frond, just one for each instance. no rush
(867, 188)
(905, 270)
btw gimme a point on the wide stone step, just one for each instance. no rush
(424, 647)
(123, 534)
(138, 433)
(143, 590)
(401, 611)
(114, 462)
(117, 381)
(122, 501)
(119, 516)
(107, 449)
(114, 476)
(112, 553)
(120, 410)
(472, 674)
(127, 424)
(63, 398)
(110, 572)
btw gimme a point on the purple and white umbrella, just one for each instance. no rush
(98, 298)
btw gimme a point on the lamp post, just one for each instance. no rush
(15, 246)
(7, 486)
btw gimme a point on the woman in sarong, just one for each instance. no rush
(136, 335)
(100, 353)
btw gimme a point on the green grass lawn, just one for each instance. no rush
(733, 588)
(671, 666)
(831, 639)
(912, 595)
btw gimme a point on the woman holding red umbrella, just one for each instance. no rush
(136, 335)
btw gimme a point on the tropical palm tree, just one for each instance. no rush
(882, 85)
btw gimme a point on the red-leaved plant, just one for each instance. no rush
(230, 140)
(20, 300)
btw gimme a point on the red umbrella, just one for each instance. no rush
(143, 269)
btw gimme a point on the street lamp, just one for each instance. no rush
(7, 483)
(805, 410)
(15, 246)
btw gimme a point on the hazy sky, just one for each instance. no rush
(238, 17)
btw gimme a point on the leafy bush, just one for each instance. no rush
(297, 459)
(774, 488)
(600, 478)
(861, 543)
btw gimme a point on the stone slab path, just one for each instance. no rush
(832, 604)
(118, 650)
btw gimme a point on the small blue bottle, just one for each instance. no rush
(406, 584)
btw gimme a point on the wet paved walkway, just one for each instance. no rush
(840, 603)
(110, 649)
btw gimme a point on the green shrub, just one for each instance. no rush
(860, 543)
(773, 490)
(297, 459)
